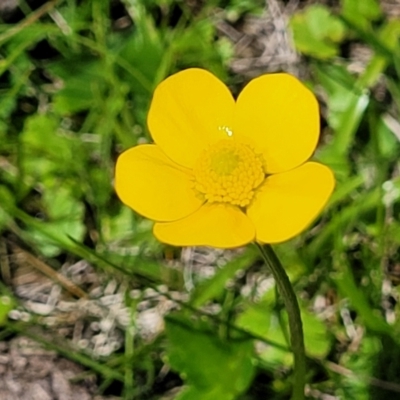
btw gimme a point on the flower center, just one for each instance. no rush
(229, 172)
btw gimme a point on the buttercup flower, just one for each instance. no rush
(223, 173)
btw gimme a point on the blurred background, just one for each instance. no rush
(91, 305)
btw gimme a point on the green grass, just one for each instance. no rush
(76, 79)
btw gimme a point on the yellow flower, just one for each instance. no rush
(223, 173)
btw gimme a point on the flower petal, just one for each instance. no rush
(288, 202)
(280, 117)
(150, 183)
(189, 111)
(216, 225)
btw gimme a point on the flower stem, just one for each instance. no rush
(295, 325)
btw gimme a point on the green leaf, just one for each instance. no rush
(347, 105)
(40, 138)
(7, 105)
(388, 143)
(206, 362)
(65, 215)
(317, 32)
(6, 305)
(143, 51)
(6, 203)
(194, 393)
(361, 13)
(316, 336)
(198, 45)
(46, 151)
(356, 386)
(341, 223)
(261, 319)
(346, 284)
(117, 227)
(81, 81)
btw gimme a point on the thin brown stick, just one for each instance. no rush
(29, 20)
(394, 387)
(50, 272)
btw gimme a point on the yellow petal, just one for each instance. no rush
(150, 183)
(215, 225)
(189, 111)
(288, 202)
(280, 117)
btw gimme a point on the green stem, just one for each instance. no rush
(295, 325)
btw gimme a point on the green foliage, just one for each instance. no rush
(7, 201)
(6, 305)
(75, 87)
(317, 32)
(346, 107)
(81, 84)
(262, 320)
(361, 13)
(212, 367)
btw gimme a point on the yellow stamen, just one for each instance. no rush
(229, 172)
